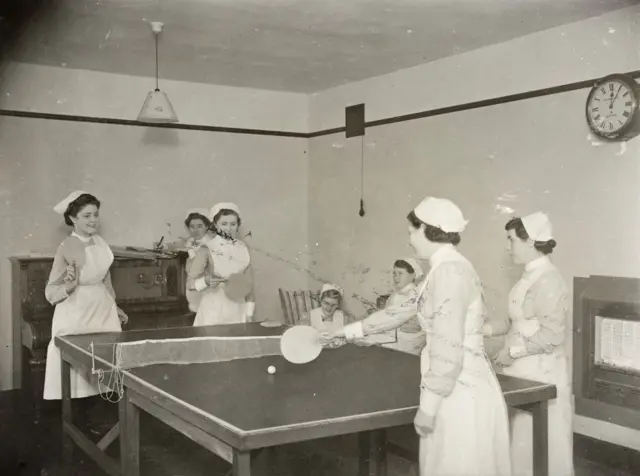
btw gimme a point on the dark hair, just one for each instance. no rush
(197, 216)
(404, 265)
(77, 205)
(433, 233)
(331, 293)
(544, 247)
(224, 212)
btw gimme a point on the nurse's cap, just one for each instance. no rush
(62, 206)
(200, 211)
(414, 264)
(538, 226)
(223, 206)
(328, 287)
(441, 213)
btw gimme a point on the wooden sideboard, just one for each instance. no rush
(150, 288)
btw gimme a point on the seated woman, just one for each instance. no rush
(328, 317)
(389, 327)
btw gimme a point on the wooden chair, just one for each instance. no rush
(296, 303)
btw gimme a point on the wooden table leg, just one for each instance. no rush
(129, 436)
(241, 463)
(373, 453)
(67, 413)
(540, 439)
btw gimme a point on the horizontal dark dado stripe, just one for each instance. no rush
(328, 132)
(336, 130)
(125, 122)
(475, 105)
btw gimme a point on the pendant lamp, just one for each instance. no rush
(157, 108)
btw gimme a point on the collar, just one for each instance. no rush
(84, 239)
(407, 289)
(327, 318)
(440, 255)
(225, 241)
(537, 263)
(202, 241)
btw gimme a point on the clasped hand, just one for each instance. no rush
(331, 340)
(122, 316)
(71, 278)
(503, 359)
(423, 423)
(213, 280)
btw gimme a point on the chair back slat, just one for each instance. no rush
(296, 304)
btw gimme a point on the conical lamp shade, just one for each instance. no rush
(157, 108)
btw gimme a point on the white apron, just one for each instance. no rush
(89, 309)
(548, 368)
(471, 433)
(215, 307)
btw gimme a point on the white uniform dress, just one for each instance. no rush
(459, 387)
(538, 306)
(90, 308)
(224, 258)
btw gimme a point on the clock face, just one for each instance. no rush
(611, 107)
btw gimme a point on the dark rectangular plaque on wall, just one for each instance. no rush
(354, 120)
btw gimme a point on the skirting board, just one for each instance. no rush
(607, 432)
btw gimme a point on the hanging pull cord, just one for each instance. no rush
(362, 212)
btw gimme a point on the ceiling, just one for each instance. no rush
(291, 45)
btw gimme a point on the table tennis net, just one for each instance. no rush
(194, 350)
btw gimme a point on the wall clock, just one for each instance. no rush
(612, 107)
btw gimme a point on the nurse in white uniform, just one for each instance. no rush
(197, 223)
(388, 327)
(80, 288)
(535, 343)
(328, 317)
(222, 256)
(462, 419)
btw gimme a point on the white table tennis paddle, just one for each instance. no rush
(301, 344)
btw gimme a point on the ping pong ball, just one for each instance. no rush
(271, 369)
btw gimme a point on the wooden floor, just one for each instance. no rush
(31, 447)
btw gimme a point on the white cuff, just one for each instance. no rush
(200, 284)
(354, 331)
(517, 351)
(487, 330)
(430, 402)
(250, 308)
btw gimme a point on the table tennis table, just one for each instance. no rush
(236, 408)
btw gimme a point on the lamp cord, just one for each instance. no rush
(157, 74)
